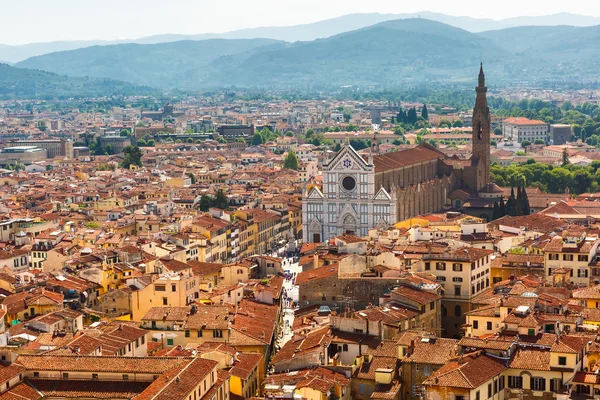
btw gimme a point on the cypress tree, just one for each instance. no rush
(510, 204)
(519, 202)
(526, 207)
(412, 116)
(495, 213)
(424, 112)
(502, 207)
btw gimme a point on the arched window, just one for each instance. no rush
(457, 311)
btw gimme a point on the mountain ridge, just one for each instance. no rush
(305, 32)
(389, 54)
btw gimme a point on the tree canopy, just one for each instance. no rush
(291, 161)
(133, 156)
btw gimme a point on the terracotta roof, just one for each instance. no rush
(469, 371)
(523, 121)
(433, 351)
(148, 365)
(208, 317)
(316, 274)
(533, 359)
(417, 295)
(400, 159)
(70, 389)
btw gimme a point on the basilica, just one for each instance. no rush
(359, 194)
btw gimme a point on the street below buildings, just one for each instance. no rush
(290, 299)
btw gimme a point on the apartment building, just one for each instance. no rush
(464, 273)
(518, 129)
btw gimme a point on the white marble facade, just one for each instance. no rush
(348, 201)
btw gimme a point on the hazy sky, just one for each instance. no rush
(26, 21)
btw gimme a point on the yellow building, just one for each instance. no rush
(173, 289)
(181, 326)
(24, 305)
(218, 234)
(246, 375)
(572, 252)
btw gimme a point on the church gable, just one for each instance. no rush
(347, 158)
(315, 194)
(382, 195)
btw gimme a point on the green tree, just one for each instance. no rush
(133, 156)
(412, 116)
(525, 143)
(526, 207)
(92, 224)
(192, 178)
(125, 132)
(510, 204)
(399, 130)
(458, 123)
(583, 181)
(221, 139)
(221, 200)
(539, 141)
(565, 157)
(257, 139)
(289, 134)
(291, 161)
(424, 112)
(206, 202)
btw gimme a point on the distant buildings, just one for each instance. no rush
(23, 154)
(560, 133)
(233, 132)
(518, 129)
(53, 147)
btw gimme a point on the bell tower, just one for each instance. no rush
(480, 158)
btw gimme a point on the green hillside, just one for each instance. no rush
(154, 65)
(396, 53)
(390, 53)
(24, 83)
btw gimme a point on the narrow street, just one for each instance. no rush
(291, 270)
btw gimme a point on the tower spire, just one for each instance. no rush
(481, 76)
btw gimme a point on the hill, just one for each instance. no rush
(552, 51)
(17, 83)
(307, 32)
(392, 53)
(389, 53)
(154, 65)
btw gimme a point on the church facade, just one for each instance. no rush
(349, 200)
(358, 194)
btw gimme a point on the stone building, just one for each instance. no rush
(53, 147)
(358, 194)
(518, 129)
